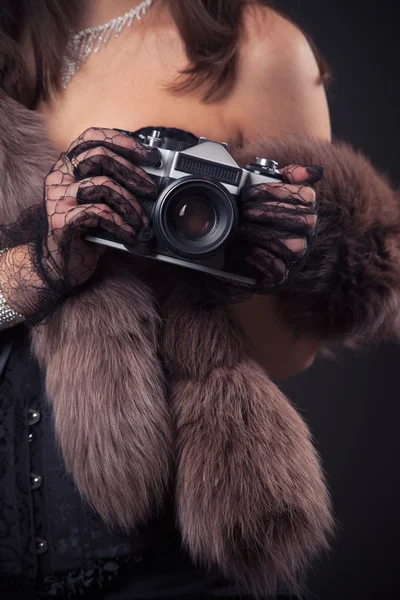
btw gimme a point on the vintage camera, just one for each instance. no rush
(195, 215)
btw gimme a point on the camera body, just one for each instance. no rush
(196, 213)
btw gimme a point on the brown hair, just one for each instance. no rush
(210, 30)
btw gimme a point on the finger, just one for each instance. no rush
(104, 190)
(120, 143)
(84, 218)
(274, 270)
(297, 246)
(282, 244)
(305, 175)
(93, 191)
(288, 217)
(292, 195)
(102, 161)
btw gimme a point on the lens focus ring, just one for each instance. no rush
(195, 217)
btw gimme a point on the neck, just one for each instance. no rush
(98, 12)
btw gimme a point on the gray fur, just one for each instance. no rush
(99, 351)
(250, 492)
(25, 159)
(349, 287)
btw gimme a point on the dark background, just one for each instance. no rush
(352, 404)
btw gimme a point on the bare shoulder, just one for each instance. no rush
(278, 86)
(270, 37)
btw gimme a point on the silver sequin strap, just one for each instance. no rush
(8, 316)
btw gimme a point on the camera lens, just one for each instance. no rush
(194, 217)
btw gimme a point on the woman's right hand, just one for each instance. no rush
(93, 185)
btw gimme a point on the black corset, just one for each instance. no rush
(45, 526)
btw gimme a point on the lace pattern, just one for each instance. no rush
(96, 184)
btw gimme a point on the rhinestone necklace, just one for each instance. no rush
(81, 44)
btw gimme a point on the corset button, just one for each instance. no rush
(34, 416)
(36, 481)
(41, 546)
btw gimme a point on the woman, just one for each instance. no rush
(135, 81)
(239, 117)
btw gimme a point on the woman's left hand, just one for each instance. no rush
(277, 225)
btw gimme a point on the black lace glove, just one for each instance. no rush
(94, 185)
(277, 225)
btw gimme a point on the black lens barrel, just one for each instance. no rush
(180, 237)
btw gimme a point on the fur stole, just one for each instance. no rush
(148, 398)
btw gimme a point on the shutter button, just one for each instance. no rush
(34, 416)
(41, 546)
(36, 481)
